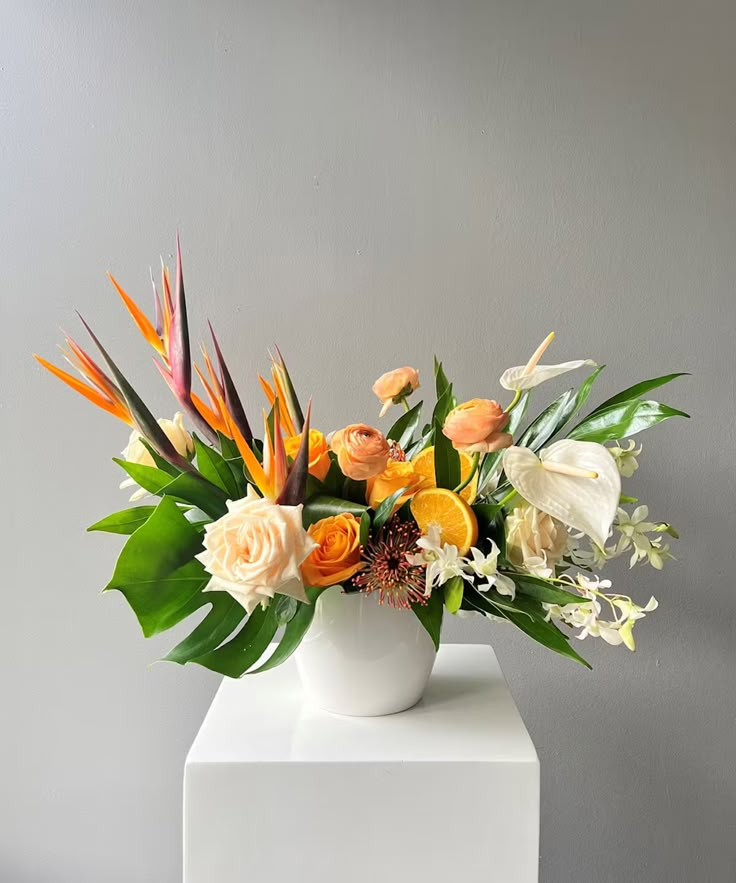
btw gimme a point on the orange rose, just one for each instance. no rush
(394, 386)
(337, 557)
(396, 475)
(475, 426)
(319, 453)
(362, 451)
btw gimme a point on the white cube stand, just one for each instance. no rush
(277, 790)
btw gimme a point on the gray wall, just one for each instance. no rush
(368, 183)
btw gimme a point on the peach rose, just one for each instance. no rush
(394, 386)
(362, 451)
(255, 551)
(337, 556)
(319, 453)
(396, 475)
(475, 427)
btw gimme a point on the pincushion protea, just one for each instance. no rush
(387, 569)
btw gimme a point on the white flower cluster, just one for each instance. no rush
(443, 562)
(586, 615)
(635, 534)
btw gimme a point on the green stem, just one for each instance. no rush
(406, 406)
(514, 402)
(473, 470)
(509, 496)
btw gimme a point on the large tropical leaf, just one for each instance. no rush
(223, 617)
(294, 632)
(323, 506)
(157, 571)
(244, 650)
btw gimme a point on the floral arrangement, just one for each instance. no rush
(473, 509)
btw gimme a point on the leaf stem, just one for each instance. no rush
(406, 405)
(471, 474)
(509, 496)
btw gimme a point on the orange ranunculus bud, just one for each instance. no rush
(319, 452)
(362, 451)
(396, 385)
(396, 475)
(337, 556)
(475, 426)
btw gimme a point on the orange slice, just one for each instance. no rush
(423, 463)
(455, 519)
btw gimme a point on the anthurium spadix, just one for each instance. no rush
(532, 374)
(576, 482)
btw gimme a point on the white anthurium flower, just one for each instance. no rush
(532, 374)
(575, 482)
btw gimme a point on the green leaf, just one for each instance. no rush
(622, 420)
(403, 430)
(285, 608)
(541, 590)
(486, 512)
(453, 591)
(442, 384)
(150, 478)
(548, 422)
(215, 468)
(125, 521)
(158, 461)
(526, 615)
(323, 506)
(365, 528)
(157, 571)
(638, 390)
(228, 447)
(584, 391)
(293, 633)
(192, 488)
(242, 652)
(446, 461)
(188, 487)
(430, 616)
(385, 508)
(224, 615)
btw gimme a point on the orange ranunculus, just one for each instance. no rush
(337, 556)
(319, 452)
(393, 386)
(396, 475)
(475, 426)
(362, 451)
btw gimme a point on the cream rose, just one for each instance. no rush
(255, 551)
(534, 540)
(136, 451)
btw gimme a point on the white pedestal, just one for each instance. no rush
(276, 790)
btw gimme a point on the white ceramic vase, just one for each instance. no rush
(362, 658)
